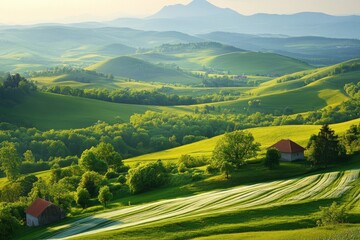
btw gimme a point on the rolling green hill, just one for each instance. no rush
(266, 136)
(195, 56)
(303, 91)
(52, 111)
(277, 205)
(116, 49)
(252, 63)
(79, 80)
(134, 68)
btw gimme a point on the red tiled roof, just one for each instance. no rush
(288, 146)
(37, 207)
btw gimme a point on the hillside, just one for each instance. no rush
(313, 50)
(130, 67)
(40, 47)
(52, 111)
(239, 209)
(252, 63)
(266, 136)
(303, 91)
(189, 56)
(76, 79)
(116, 49)
(220, 57)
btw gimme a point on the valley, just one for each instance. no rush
(194, 122)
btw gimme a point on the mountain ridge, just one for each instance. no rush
(200, 17)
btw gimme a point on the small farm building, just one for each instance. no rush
(42, 212)
(290, 151)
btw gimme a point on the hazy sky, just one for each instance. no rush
(34, 11)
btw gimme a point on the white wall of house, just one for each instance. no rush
(292, 156)
(31, 221)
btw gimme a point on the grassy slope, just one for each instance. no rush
(343, 232)
(251, 63)
(52, 111)
(78, 80)
(134, 68)
(274, 95)
(279, 205)
(266, 136)
(187, 56)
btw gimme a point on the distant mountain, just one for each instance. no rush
(201, 16)
(196, 8)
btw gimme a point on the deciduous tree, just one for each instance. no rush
(105, 195)
(272, 158)
(235, 148)
(10, 160)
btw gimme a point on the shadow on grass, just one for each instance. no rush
(63, 230)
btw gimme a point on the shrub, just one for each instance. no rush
(65, 162)
(211, 169)
(121, 179)
(30, 167)
(272, 158)
(111, 175)
(146, 176)
(181, 168)
(332, 215)
(197, 177)
(191, 162)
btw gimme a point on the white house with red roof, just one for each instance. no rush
(290, 151)
(42, 212)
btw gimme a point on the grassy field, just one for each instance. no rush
(52, 111)
(340, 232)
(325, 90)
(42, 174)
(252, 63)
(266, 136)
(277, 205)
(77, 80)
(130, 67)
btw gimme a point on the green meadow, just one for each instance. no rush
(266, 136)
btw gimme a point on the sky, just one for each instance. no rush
(65, 11)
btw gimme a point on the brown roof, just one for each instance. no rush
(37, 207)
(288, 146)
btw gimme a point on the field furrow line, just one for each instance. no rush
(318, 186)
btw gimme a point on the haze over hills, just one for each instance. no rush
(201, 16)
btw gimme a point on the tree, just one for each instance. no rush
(146, 176)
(29, 156)
(55, 173)
(91, 181)
(40, 189)
(272, 158)
(235, 148)
(61, 195)
(82, 197)
(226, 168)
(89, 162)
(8, 224)
(10, 160)
(106, 152)
(105, 195)
(325, 147)
(352, 138)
